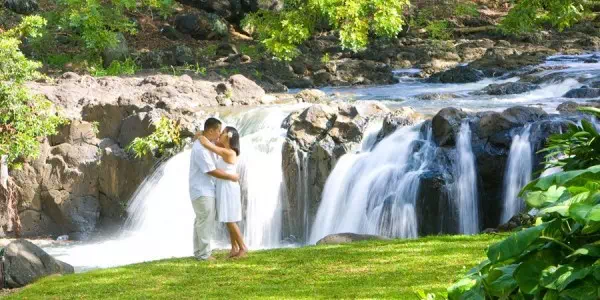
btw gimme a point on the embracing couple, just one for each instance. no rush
(214, 188)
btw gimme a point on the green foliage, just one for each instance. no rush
(116, 68)
(559, 258)
(23, 118)
(578, 148)
(439, 30)
(281, 32)
(325, 59)
(165, 140)
(208, 51)
(529, 15)
(466, 9)
(96, 22)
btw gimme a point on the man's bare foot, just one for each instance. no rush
(233, 253)
(242, 253)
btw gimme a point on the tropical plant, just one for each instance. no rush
(116, 68)
(559, 257)
(529, 15)
(354, 20)
(165, 140)
(578, 147)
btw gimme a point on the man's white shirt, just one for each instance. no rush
(202, 161)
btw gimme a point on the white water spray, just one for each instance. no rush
(375, 192)
(517, 174)
(466, 186)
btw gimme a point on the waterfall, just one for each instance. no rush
(466, 183)
(160, 216)
(374, 192)
(517, 174)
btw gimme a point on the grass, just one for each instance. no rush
(382, 269)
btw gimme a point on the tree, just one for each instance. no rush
(23, 118)
(355, 21)
(529, 15)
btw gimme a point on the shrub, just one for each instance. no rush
(165, 140)
(439, 30)
(116, 68)
(23, 118)
(529, 15)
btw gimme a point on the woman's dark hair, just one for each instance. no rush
(234, 140)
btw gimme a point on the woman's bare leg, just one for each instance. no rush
(240, 241)
(234, 245)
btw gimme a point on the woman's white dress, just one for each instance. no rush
(229, 201)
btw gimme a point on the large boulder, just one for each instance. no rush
(346, 238)
(311, 96)
(493, 124)
(509, 88)
(202, 26)
(583, 92)
(446, 124)
(404, 116)
(460, 74)
(240, 90)
(232, 10)
(25, 263)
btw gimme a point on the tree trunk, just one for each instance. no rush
(4, 171)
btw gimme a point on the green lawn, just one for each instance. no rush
(392, 269)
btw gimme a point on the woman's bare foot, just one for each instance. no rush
(242, 253)
(233, 253)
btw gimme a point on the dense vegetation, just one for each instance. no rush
(384, 269)
(23, 118)
(558, 258)
(164, 141)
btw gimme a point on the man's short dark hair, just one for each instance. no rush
(211, 123)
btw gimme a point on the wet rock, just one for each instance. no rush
(345, 238)
(202, 26)
(509, 88)
(23, 7)
(570, 107)
(583, 92)
(446, 124)
(493, 123)
(25, 263)
(434, 206)
(499, 61)
(404, 116)
(437, 96)
(461, 74)
(518, 221)
(311, 96)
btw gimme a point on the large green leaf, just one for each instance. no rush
(529, 273)
(515, 244)
(584, 290)
(539, 199)
(558, 278)
(467, 289)
(592, 250)
(561, 179)
(500, 281)
(585, 212)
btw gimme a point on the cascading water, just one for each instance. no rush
(374, 192)
(160, 214)
(517, 174)
(466, 183)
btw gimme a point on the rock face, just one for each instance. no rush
(346, 238)
(317, 137)
(25, 263)
(83, 177)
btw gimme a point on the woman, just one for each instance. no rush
(229, 204)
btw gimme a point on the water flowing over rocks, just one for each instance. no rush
(509, 88)
(317, 137)
(23, 263)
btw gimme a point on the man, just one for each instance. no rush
(202, 189)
